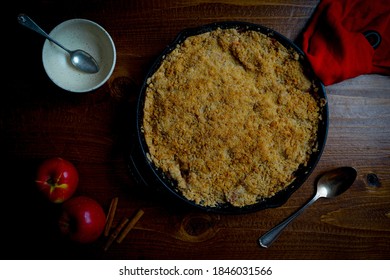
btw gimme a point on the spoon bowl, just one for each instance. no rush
(336, 181)
(84, 61)
(329, 185)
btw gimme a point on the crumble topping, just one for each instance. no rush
(230, 116)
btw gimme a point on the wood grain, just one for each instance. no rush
(38, 120)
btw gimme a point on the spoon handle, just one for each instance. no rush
(29, 23)
(269, 237)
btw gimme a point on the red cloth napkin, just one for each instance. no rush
(348, 38)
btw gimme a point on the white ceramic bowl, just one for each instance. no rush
(79, 34)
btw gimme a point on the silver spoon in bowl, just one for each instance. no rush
(330, 184)
(79, 58)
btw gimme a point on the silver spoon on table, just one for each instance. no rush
(79, 58)
(330, 184)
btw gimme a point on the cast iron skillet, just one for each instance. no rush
(149, 175)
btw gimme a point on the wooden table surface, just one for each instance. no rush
(93, 130)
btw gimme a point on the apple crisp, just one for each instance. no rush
(230, 117)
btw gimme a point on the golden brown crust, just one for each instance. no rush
(229, 116)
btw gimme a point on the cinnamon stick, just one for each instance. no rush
(115, 233)
(130, 225)
(110, 216)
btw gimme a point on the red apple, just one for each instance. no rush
(82, 219)
(57, 179)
